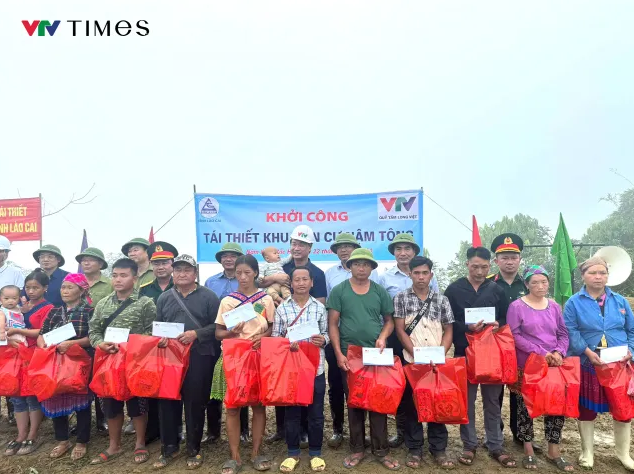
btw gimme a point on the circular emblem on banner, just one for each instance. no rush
(208, 207)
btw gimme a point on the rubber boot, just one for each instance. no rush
(586, 431)
(622, 434)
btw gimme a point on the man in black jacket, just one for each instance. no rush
(475, 291)
(196, 307)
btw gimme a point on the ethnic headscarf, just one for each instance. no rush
(534, 270)
(79, 279)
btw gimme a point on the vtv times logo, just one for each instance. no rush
(89, 27)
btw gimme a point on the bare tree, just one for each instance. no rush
(73, 201)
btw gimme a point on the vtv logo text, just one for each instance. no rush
(42, 27)
(388, 204)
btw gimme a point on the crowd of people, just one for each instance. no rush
(351, 304)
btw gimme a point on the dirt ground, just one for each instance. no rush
(39, 462)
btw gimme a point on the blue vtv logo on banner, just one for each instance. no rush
(42, 26)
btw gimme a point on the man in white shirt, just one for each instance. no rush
(9, 275)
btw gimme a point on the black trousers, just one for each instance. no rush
(513, 413)
(280, 420)
(437, 435)
(378, 429)
(99, 412)
(84, 419)
(195, 396)
(336, 393)
(214, 411)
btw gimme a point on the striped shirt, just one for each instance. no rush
(315, 311)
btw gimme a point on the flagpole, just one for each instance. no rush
(197, 266)
(42, 229)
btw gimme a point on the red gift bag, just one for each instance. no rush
(287, 378)
(10, 371)
(491, 358)
(241, 364)
(551, 390)
(154, 372)
(26, 355)
(615, 379)
(374, 388)
(440, 395)
(52, 373)
(108, 377)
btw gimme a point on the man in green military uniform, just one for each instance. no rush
(136, 249)
(161, 256)
(507, 249)
(92, 263)
(123, 308)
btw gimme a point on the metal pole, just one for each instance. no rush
(41, 221)
(197, 266)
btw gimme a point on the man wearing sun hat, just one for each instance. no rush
(360, 313)
(92, 261)
(225, 283)
(50, 259)
(136, 250)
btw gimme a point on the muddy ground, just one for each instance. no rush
(39, 462)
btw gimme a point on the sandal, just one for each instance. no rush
(261, 463)
(232, 467)
(353, 460)
(194, 462)
(389, 463)
(289, 464)
(141, 455)
(59, 450)
(443, 461)
(13, 447)
(317, 464)
(29, 446)
(104, 457)
(529, 462)
(467, 457)
(413, 460)
(78, 453)
(561, 464)
(504, 458)
(164, 460)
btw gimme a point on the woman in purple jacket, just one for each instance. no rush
(538, 327)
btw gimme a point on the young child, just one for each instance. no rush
(272, 266)
(10, 316)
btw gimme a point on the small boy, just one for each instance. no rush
(272, 266)
(11, 316)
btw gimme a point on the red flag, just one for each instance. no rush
(151, 238)
(475, 238)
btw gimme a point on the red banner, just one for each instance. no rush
(21, 219)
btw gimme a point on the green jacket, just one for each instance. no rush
(153, 289)
(101, 289)
(137, 317)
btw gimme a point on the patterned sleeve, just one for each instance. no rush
(95, 332)
(46, 324)
(149, 315)
(323, 323)
(269, 309)
(279, 325)
(446, 314)
(399, 305)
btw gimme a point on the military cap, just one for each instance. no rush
(507, 243)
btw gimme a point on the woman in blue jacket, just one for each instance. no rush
(597, 317)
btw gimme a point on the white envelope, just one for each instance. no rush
(61, 334)
(116, 335)
(425, 355)
(613, 354)
(5, 342)
(475, 315)
(372, 356)
(168, 330)
(241, 314)
(303, 331)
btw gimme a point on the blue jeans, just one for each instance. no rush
(315, 422)
(22, 404)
